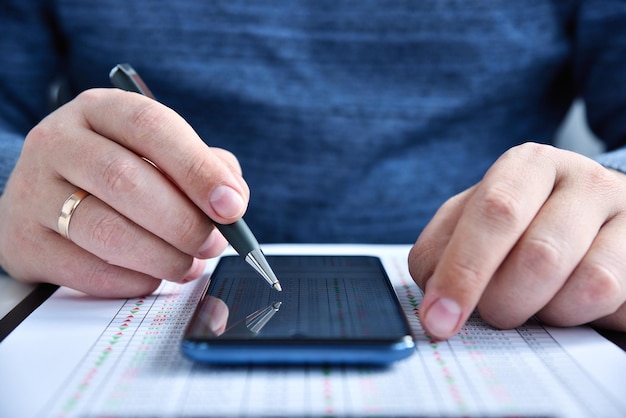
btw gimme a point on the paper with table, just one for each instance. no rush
(82, 356)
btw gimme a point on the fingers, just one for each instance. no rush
(117, 257)
(493, 219)
(151, 130)
(135, 189)
(74, 267)
(139, 221)
(33, 253)
(128, 184)
(597, 287)
(106, 233)
(545, 256)
(429, 247)
(542, 233)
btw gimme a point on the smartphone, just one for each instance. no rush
(333, 309)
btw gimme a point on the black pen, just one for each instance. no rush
(238, 234)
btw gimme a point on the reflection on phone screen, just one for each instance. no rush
(323, 297)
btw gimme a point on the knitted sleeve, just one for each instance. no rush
(27, 70)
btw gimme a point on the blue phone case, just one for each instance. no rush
(248, 352)
(333, 310)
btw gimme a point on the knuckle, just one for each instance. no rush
(149, 120)
(449, 207)
(598, 178)
(42, 133)
(121, 175)
(533, 149)
(541, 256)
(466, 275)
(110, 233)
(529, 152)
(199, 170)
(600, 286)
(596, 293)
(191, 229)
(90, 96)
(500, 206)
(86, 98)
(101, 278)
(43, 136)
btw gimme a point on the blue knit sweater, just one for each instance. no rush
(353, 120)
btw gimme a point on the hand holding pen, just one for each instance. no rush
(84, 204)
(237, 233)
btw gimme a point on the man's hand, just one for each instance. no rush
(543, 233)
(139, 223)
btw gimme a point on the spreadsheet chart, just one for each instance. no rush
(133, 367)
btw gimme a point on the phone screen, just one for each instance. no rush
(333, 309)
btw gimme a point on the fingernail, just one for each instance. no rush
(226, 202)
(443, 317)
(207, 246)
(196, 270)
(213, 245)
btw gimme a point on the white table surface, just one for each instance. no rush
(12, 293)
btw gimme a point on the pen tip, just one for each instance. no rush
(277, 287)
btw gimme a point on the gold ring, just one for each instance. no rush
(67, 210)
